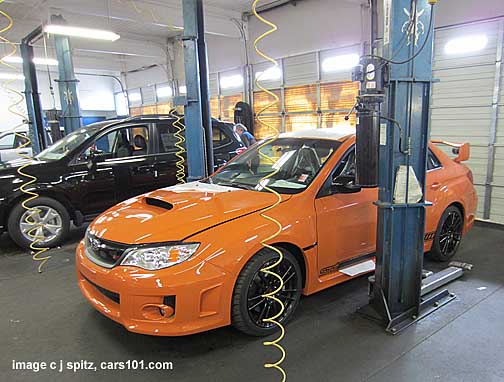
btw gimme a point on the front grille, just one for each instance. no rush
(104, 252)
(107, 293)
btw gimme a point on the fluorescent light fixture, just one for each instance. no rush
(183, 89)
(340, 63)
(135, 97)
(466, 44)
(164, 92)
(234, 81)
(270, 74)
(95, 34)
(11, 76)
(36, 60)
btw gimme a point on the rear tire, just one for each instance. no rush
(448, 235)
(247, 311)
(53, 217)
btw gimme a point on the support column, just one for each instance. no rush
(402, 158)
(197, 108)
(67, 83)
(36, 129)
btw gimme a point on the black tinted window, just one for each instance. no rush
(167, 138)
(219, 137)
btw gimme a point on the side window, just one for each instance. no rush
(343, 173)
(20, 141)
(346, 167)
(120, 143)
(432, 161)
(167, 138)
(219, 137)
(7, 141)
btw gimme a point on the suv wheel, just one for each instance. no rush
(250, 308)
(47, 222)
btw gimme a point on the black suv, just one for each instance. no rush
(92, 169)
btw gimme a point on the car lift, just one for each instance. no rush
(67, 87)
(395, 91)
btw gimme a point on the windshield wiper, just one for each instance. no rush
(236, 185)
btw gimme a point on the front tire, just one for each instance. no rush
(249, 308)
(448, 235)
(50, 224)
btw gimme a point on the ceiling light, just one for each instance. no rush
(164, 92)
(270, 74)
(466, 44)
(96, 34)
(135, 97)
(11, 76)
(183, 89)
(36, 60)
(234, 81)
(340, 63)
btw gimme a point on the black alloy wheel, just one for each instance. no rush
(250, 307)
(448, 235)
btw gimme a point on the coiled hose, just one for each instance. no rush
(37, 252)
(269, 270)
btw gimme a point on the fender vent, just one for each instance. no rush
(159, 203)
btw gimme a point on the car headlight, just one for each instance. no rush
(154, 258)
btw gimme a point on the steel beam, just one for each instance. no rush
(67, 82)
(401, 218)
(36, 129)
(194, 109)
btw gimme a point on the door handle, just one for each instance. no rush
(435, 186)
(144, 169)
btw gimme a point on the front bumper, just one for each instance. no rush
(193, 300)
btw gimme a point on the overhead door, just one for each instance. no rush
(462, 100)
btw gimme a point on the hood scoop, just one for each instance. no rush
(159, 203)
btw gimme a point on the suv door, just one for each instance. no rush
(113, 167)
(346, 223)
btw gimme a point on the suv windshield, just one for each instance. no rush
(66, 145)
(297, 160)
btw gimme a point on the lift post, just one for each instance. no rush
(67, 82)
(401, 126)
(36, 129)
(197, 104)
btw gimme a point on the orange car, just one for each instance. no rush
(187, 258)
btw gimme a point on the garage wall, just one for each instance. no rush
(96, 96)
(465, 106)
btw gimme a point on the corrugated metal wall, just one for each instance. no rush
(465, 108)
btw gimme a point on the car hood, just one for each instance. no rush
(177, 213)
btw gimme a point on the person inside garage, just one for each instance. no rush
(242, 132)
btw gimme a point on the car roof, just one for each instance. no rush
(334, 133)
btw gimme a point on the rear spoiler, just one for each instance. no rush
(461, 150)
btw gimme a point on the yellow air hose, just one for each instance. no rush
(269, 270)
(181, 173)
(38, 253)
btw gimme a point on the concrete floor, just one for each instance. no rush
(44, 318)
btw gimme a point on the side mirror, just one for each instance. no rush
(93, 158)
(345, 185)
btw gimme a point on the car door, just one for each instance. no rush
(115, 166)
(346, 222)
(166, 150)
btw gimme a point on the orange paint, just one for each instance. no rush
(326, 231)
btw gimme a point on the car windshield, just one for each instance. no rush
(68, 144)
(295, 162)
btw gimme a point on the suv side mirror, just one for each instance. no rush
(345, 185)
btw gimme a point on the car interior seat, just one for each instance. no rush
(124, 148)
(141, 143)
